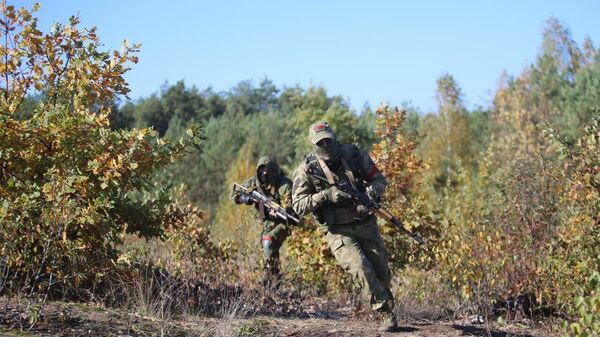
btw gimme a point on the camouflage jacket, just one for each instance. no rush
(307, 193)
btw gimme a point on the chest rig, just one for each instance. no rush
(348, 170)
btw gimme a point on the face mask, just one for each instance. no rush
(328, 150)
(263, 177)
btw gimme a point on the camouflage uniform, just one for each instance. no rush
(275, 230)
(351, 231)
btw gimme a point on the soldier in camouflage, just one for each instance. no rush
(270, 181)
(351, 231)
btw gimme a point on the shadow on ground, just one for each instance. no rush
(475, 331)
(406, 329)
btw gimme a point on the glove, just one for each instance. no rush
(371, 194)
(362, 211)
(272, 214)
(243, 199)
(334, 195)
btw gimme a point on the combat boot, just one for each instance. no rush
(388, 322)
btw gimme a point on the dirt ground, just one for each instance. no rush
(76, 319)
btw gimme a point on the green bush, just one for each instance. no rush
(66, 179)
(588, 310)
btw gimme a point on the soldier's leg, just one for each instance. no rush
(371, 241)
(351, 257)
(372, 244)
(271, 242)
(270, 253)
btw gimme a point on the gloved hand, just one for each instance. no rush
(362, 211)
(371, 193)
(334, 195)
(243, 199)
(272, 214)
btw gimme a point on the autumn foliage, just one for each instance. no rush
(507, 196)
(67, 181)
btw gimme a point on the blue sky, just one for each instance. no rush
(366, 51)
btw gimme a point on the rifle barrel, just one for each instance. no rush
(259, 197)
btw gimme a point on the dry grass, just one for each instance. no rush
(421, 295)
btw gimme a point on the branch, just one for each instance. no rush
(6, 56)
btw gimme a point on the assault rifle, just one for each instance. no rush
(365, 200)
(258, 197)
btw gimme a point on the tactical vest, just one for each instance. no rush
(338, 214)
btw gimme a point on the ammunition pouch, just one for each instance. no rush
(328, 215)
(318, 214)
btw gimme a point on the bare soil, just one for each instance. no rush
(77, 319)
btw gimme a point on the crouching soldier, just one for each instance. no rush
(270, 181)
(351, 231)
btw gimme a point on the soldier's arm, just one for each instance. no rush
(374, 178)
(235, 194)
(304, 197)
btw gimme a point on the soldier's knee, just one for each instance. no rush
(267, 242)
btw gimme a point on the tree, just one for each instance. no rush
(447, 140)
(67, 181)
(245, 99)
(394, 155)
(150, 112)
(122, 117)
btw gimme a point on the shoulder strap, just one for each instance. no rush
(349, 173)
(329, 175)
(326, 170)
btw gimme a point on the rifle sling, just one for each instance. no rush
(329, 175)
(326, 171)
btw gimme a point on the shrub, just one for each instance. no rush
(66, 179)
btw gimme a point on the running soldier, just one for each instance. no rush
(351, 230)
(270, 181)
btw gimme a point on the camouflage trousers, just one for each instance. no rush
(359, 249)
(271, 239)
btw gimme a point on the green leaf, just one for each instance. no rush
(576, 328)
(587, 319)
